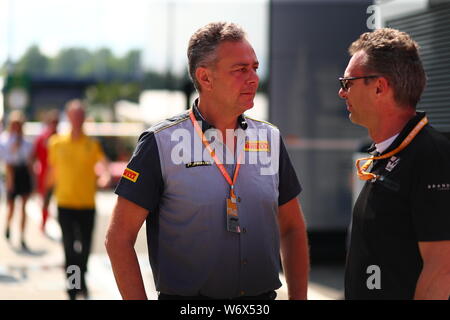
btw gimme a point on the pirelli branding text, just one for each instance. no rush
(256, 146)
(130, 175)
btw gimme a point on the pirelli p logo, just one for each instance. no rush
(256, 146)
(130, 175)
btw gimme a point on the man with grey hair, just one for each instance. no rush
(214, 228)
(400, 239)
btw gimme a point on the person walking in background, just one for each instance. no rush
(40, 161)
(72, 158)
(400, 238)
(16, 151)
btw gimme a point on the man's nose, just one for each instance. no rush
(253, 77)
(342, 93)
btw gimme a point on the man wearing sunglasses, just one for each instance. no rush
(400, 239)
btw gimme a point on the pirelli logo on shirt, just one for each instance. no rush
(130, 175)
(256, 146)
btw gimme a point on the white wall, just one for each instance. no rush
(396, 8)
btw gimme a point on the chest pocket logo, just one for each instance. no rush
(393, 162)
(256, 146)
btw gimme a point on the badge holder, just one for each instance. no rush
(232, 215)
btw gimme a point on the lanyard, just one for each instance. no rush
(216, 159)
(363, 175)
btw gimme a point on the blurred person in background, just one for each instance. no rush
(17, 152)
(40, 161)
(72, 158)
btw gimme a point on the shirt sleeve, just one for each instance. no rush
(289, 186)
(431, 196)
(142, 181)
(51, 150)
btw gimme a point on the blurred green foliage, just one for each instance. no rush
(116, 78)
(80, 63)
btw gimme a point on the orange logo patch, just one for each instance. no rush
(130, 175)
(257, 146)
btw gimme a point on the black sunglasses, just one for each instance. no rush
(344, 81)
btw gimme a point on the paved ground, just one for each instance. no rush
(39, 273)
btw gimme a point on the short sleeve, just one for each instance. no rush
(431, 196)
(289, 186)
(51, 149)
(142, 181)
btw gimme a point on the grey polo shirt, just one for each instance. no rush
(190, 250)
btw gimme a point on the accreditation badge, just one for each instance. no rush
(232, 216)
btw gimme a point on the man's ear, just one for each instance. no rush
(204, 78)
(382, 86)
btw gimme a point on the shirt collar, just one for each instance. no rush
(205, 125)
(380, 147)
(405, 131)
(68, 136)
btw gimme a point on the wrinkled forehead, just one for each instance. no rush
(236, 52)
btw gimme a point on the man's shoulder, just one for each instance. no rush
(5, 138)
(432, 140)
(40, 139)
(90, 139)
(45, 134)
(260, 123)
(431, 146)
(58, 138)
(147, 139)
(167, 123)
(65, 139)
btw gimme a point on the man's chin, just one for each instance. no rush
(247, 106)
(351, 117)
(355, 120)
